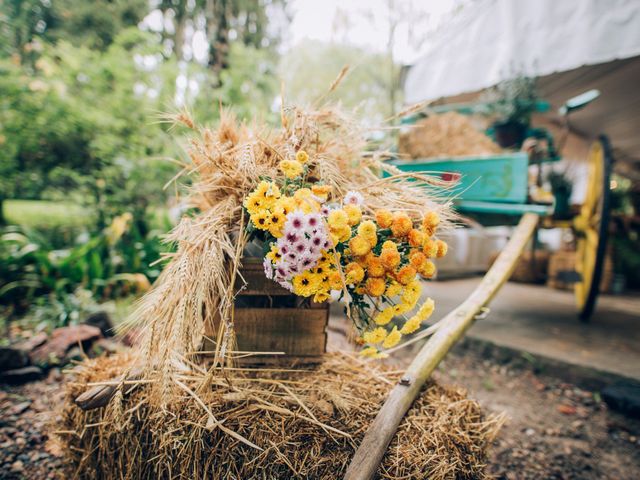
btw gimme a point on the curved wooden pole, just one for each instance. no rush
(374, 445)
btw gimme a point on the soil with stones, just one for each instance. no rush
(555, 430)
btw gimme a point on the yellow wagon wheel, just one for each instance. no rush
(592, 228)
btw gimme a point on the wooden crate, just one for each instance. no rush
(268, 318)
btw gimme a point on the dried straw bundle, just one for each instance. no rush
(270, 424)
(445, 135)
(226, 164)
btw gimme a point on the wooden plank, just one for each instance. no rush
(374, 445)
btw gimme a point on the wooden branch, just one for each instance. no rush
(99, 396)
(374, 445)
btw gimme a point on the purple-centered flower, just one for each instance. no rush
(353, 198)
(324, 211)
(268, 268)
(313, 221)
(291, 236)
(300, 247)
(295, 221)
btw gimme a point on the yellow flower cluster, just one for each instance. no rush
(376, 260)
(390, 272)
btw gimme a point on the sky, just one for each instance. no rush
(365, 23)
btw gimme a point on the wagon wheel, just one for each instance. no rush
(592, 228)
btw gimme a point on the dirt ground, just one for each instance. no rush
(555, 430)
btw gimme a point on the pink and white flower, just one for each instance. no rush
(353, 198)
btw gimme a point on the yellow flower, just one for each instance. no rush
(354, 273)
(401, 224)
(430, 248)
(276, 225)
(261, 220)
(385, 316)
(302, 194)
(390, 258)
(335, 280)
(372, 352)
(287, 204)
(305, 284)
(390, 245)
(411, 294)
(321, 191)
(338, 218)
(417, 260)
(291, 168)
(354, 213)
(428, 270)
(411, 325)
(359, 246)
(268, 192)
(430, 221)
(374, 336)
(393, 289)
(345, 233)
(392, 339)
(274, 254)
(302, 156)
(253, 203)
(442, 248)
(321, 297)
(375, 286)
(425, 311)
(416, 238)
(367, 229)
(384, 218)
(375, 268)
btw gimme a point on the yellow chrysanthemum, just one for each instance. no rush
(354, 273)
(372, 352)
(359, 246)
(302, 156)
(430, 221)
(415, 237)
(425, 311)
(428, 270)
(411, 294)
(430, 248)
(442, 248)
(392, 338)
(390, 258)
(374, 336)
(401, 224)
(417, 260)
(375, 268)
(390, 245)
(367, 229)
(385, 316)
(335, 280)
(384, 218)
(291, 168)
(354, 214)
(375, 286)
(338, 218)
(393, 289)
(411, 325)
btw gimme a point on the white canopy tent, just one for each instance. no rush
(570, 45)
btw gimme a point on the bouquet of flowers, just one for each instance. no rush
(323, 247)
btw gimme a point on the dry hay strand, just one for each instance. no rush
(445, 135)
(226, 163)
(269, 424)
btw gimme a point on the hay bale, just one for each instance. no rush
(301, 423)
(446, 135)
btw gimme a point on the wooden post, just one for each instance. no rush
(374, 445)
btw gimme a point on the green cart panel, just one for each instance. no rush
(495, 178)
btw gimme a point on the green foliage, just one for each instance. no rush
(512, 100)
(113, 263)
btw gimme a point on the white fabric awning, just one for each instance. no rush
(494, 40)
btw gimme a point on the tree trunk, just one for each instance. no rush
(3, 219)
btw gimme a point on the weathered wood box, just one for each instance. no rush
(268, 318)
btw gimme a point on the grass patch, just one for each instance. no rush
(41, 213)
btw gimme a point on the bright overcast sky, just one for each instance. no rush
(365, 23)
